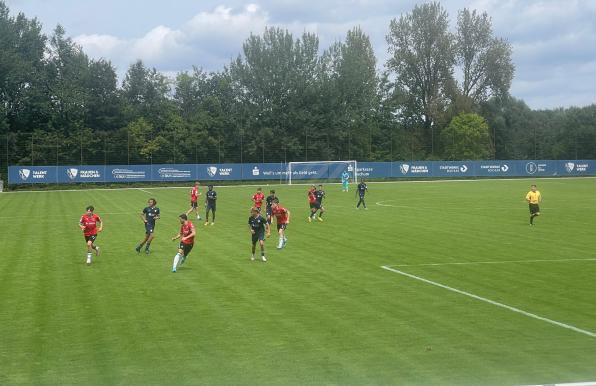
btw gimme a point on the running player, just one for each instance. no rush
(361, 191)
(194, 200)
(149, 215)
(533, 198)
(345, 180)
(269, 200)
(258, 226)
(312, 199)
(210, 200)
(319, 195)
(282, 216)
(257, 199)
(187, 240)
(88, 224)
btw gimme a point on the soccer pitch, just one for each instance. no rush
(320, 311)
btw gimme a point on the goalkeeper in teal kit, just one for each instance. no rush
(345, 180)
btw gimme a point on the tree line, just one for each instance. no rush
(440, 95)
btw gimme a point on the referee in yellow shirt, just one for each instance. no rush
(534, 198)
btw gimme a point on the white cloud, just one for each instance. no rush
(101, 46)
(216, 36)
(554, 41)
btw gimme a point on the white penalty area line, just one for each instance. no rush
(489, 262)
(505, 306)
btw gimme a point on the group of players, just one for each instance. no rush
(259, 226)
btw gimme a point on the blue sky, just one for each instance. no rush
(554, 41)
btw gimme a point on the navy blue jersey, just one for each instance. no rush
(211, 196)
(319, 195)
(257, 224)
(269, 200)
(362, 188)
(150, 214)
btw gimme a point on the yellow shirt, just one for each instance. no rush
(533, 197)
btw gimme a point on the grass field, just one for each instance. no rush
(320, 311)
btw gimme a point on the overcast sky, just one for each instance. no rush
(554, 41)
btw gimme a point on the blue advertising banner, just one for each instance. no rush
(219, 172)
(495, 169)
(373, 170)
(32, 174)
(174, 172)
(127, 173)
(576, 167)
(459, 169)
(537, 168)
(300, 171)
(267, 171)
(412, 169)
(71, 174)
(310, 171)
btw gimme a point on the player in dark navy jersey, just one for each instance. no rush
(210, 201)
(361, 191)
(258, 227)
(149, 215)
(318, 204)
(271, 198)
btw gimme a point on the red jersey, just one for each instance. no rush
(90, 224)
(186, 229)
(311, 197)
(258, 199)
(281, 214)
(194, 194)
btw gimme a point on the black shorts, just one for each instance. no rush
(149, 228)
(211, 207)
(92, 238)
(316, 205)
(534, 208)
(186, 248)
(194, 204)
(282, 226)
(268, 211)
(258, 236)
(311, 204)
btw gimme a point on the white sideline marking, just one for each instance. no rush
(569, 384)
(529, 314)
(143, 190)
(489, 262)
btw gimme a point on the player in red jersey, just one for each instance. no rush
(88, 224)
(187, 240)
(258, 198)
(312, 200)
(194, 199)
(282, 215)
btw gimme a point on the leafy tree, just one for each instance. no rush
(275, 83)
(146, 94)
(467, 137)
(485, 60)
(68, 73)
(104, 107)
(22, 72)
(422, 59)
